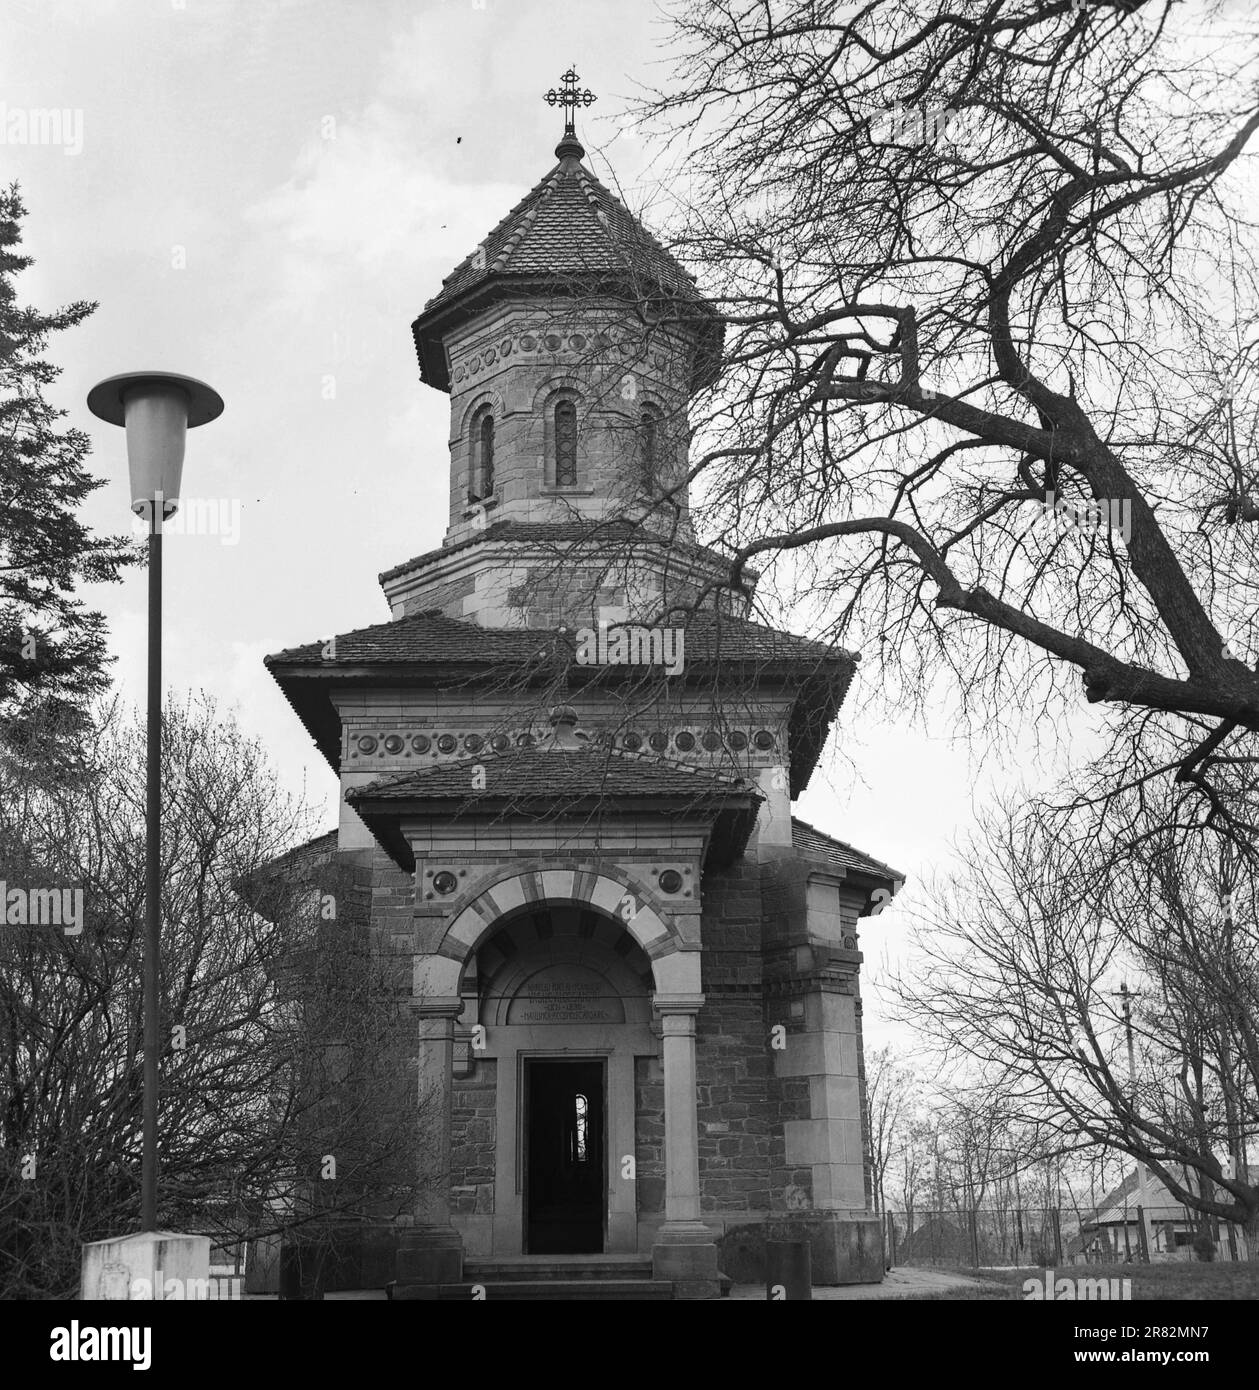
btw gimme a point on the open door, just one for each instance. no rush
(566, 1172)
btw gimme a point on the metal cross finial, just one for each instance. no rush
(568, 96)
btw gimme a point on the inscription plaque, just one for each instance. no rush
(566, 994)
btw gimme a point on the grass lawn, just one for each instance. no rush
(1149, 1282)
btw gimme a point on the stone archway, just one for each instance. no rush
(682, 1249)
(676, 970)
(550, 990)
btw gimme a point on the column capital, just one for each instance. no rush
(437, 1006)
(673, 1005)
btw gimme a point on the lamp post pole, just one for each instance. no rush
(157, 409)
(152, 875)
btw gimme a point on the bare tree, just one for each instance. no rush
(890, 1100)
(984, 267)
(1019, 965)
(283, 1076)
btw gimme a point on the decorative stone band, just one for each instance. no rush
(595, 344)
(407, 743)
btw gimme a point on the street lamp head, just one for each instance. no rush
(157, 408)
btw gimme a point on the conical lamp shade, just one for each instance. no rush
(157, 428)
(158, 409)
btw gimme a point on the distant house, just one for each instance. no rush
(1113, 1233)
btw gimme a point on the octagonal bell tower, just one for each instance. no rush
(570, 342)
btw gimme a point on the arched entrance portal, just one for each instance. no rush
(563, 995)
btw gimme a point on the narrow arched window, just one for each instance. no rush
(487, 456)
(566, 444)
(481, 457)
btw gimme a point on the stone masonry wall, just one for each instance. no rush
(472, 1140)
(742, 1105)
(649, 1134)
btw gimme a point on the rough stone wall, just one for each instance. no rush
(472, 1138)
(649, 1134)
(514, 358)
(393, 907)
(742, 1105)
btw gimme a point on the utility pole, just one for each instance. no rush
(1142, 1201)
(1232, 1121)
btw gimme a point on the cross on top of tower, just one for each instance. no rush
(570, 97)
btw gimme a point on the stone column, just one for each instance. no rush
(430, 1253)
(685, 1251)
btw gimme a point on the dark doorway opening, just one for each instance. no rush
(565, 1163)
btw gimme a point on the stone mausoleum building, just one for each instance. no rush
(567, 764)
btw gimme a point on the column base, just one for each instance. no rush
(685, 1253)
(428, 1257)
(844, 1249)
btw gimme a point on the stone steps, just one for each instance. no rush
(555, 1288)
(573, 1268)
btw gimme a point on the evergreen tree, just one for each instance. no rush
(52, 648)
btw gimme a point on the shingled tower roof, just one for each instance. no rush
(569, 235)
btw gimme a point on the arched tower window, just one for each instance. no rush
(649, 450)
(487, 455)
(481, 458)
(566, 444)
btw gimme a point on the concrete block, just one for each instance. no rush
(151, 1266)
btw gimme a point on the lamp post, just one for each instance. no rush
(157, 409)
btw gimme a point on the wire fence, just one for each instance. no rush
(982, 1237)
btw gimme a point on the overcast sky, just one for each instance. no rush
(265, 194)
